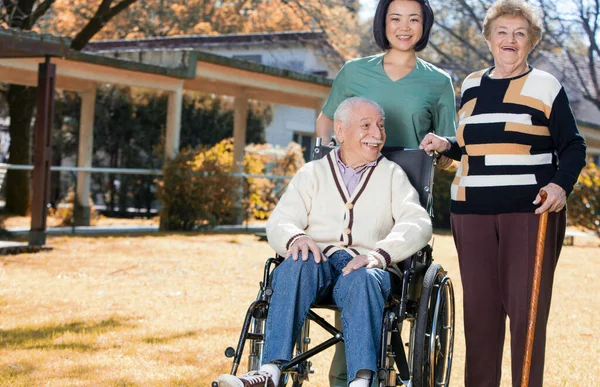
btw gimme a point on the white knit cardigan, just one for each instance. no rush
(382, 216)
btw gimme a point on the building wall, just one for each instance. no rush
(301, 59)
(287, 120)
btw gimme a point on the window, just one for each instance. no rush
(306, 141)
(249, 58)
(322, 73)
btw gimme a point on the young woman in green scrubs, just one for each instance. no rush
(416, 96)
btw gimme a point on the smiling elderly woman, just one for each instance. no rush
(341, 222)
(516, 136)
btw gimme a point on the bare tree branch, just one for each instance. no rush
(102, 16)
(463, 41)
(450, 60)
(474, 17)
(40, 10)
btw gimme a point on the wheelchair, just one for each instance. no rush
(422, 297)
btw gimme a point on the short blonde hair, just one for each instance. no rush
(515, 8)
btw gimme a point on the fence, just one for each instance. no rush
(114, 193)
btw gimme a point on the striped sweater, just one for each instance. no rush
(514, 136)
(382, 216)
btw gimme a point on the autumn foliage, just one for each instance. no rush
(152, 18)
(583, 205)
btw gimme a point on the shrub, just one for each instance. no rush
(198, 189)
(64, 210)
(263, 193)
(583, 207)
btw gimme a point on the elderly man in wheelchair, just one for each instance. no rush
(344, 223)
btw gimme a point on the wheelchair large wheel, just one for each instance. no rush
(434, 330)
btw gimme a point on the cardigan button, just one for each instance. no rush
(347, 231)
(349, 205)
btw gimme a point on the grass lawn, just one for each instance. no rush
(159, 310)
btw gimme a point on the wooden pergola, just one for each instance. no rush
(29, 59)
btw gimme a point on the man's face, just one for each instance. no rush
(362, 139)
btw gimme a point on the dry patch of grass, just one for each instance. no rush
(159, 310)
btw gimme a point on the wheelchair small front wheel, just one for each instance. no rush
(434, 330)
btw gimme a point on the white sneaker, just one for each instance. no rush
(251, 379)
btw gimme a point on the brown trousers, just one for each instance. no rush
(496, 256)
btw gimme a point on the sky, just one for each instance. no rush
(367, 9)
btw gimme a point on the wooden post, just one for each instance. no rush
(42, 152)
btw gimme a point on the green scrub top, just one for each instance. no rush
(419, 103)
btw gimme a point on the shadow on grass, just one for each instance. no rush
(41, 337)
(167, 339)
(121, 383)
(16, 374)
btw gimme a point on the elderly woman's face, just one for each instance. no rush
(362, 139)
(404, 24)
(509, 41)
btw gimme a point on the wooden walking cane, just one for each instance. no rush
(535, 292)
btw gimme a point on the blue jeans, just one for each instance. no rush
(361, 296)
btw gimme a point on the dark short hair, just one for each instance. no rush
(380, 19)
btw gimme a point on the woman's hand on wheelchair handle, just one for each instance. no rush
(432, 142)
(359, 261)
(304, 244)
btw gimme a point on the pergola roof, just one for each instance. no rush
(20, 44)
(21, 52)
(200, 42)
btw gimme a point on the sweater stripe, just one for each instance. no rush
(293, 239)
(360, 191)
(541, 159)
(326, 249)
(335, 176)
(385, 255)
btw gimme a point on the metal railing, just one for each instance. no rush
(128, 171)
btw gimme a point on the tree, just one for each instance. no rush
(25, 15)
(574, 28)
(157, 18)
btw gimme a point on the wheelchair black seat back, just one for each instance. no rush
(422, 297)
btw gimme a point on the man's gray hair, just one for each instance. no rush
(344, 110)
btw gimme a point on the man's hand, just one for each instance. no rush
(359, 261)
(304, 244)
(556, 200)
